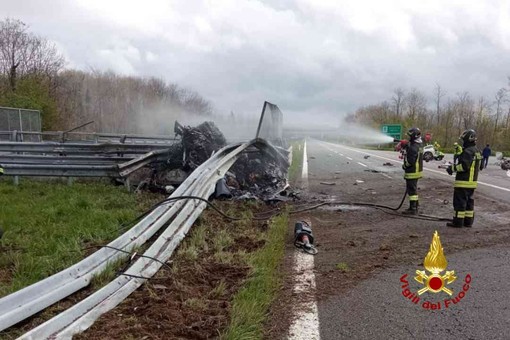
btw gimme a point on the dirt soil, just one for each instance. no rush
(357, 243)
(192, 299)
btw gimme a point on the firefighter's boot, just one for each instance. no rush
(456, 223)
(413, 208)
(468, 221)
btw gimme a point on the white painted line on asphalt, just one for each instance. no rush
(342, 154)
(387, 176)
(362, 164)
(434, 171)
(304, 172)
(306, 323)
(349, 158)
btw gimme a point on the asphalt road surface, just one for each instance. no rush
(363, 252)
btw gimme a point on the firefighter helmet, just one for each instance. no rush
(468, 136)
(414, 133)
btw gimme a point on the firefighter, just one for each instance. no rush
(466, 169)
(413, 167)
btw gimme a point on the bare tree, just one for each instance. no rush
(450, 109)
(398, 101)
(416, 104)
(23, 53)
(499, 100)
(466, 113)
(438, 94)
(507, 125)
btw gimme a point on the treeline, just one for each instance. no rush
(33, 76)
(444, 115)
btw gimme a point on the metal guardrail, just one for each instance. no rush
(30, 300)
(78, 159)
(64, 170)
(91, 137)
(32, 166)
(52, 159)
(79, 148)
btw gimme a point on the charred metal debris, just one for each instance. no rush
(259, 173)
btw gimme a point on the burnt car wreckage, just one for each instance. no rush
(257, 174)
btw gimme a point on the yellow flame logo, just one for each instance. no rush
(435, 262)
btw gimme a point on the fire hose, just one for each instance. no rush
(268, 214)
(303, 237)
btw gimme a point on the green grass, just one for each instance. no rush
(343, 267)
(297, 161)
(48, 223)
(251, 303)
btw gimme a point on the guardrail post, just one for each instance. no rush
(16, 180)
(70, 181)
(127, 183)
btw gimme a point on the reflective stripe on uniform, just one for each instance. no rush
(460, 214)
(472, 170)
(414, 175)
(469, 213)
(459, 167)
(465, 184)
(413, 197)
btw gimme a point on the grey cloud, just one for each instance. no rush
(309, 57)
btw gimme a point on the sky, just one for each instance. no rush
(313, 58)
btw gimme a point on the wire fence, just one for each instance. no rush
(13, 120)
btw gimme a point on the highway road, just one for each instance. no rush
(364, 252)
(492, 181)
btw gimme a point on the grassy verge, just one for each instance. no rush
(220, 283)
(47, 224)
(251, 303)
(297, 161)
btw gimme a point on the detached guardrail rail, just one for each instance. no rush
(182, 214)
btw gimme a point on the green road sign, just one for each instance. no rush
(392, 130)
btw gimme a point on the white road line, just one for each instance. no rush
(387, 176)
(306, 325)
(349, 158)
(342, 154)
(304, 172)
(362, 164)
(435, 171)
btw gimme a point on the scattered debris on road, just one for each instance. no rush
(388, 164)
(303, 237)
(328, 183)
(366, 156)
